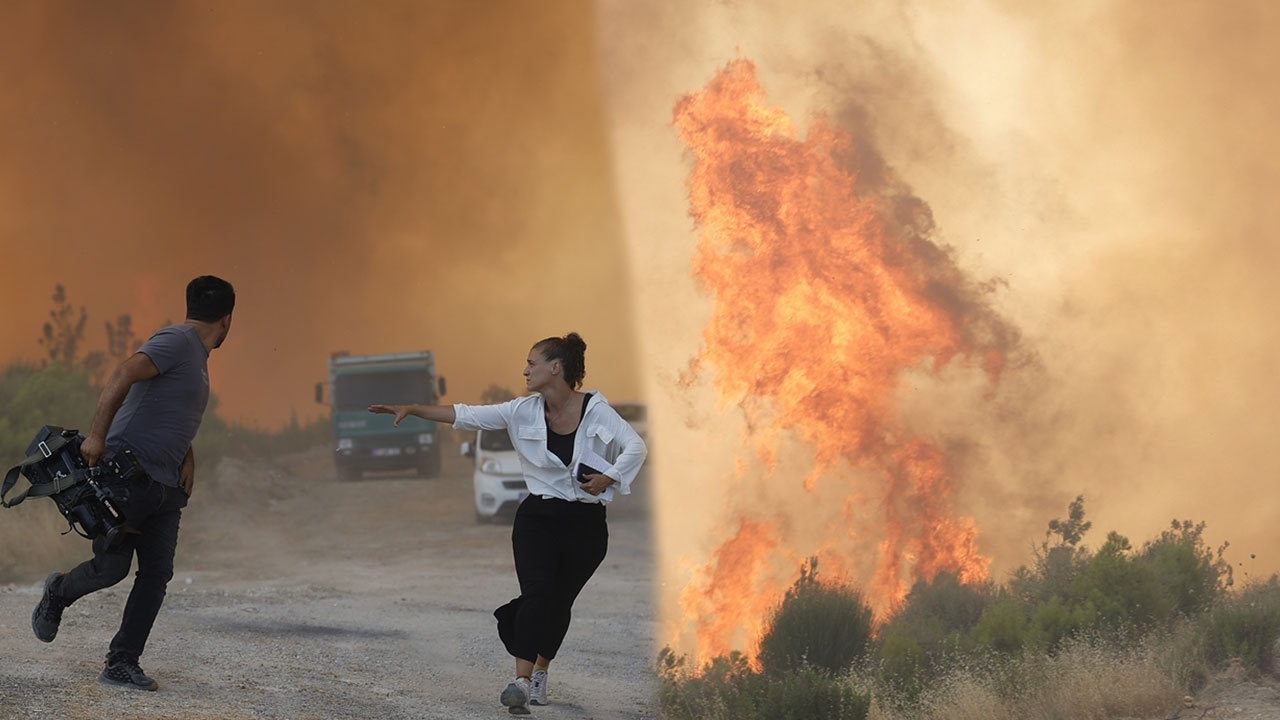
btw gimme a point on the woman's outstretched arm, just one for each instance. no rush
(438, 413)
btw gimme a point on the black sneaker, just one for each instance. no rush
(48, 613)
(126, 673)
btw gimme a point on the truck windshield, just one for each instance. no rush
(495, 440)
(357, 392)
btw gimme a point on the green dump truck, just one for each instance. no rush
(365, 442)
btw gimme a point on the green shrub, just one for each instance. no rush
(1124, 592)
(808, 694)
(935, 625)
(1244, 628)
(29, 398)
(826, 627)
(1004, 626)
(1053, 622)
(901, 665)
(953, 607)
(1190, 575)
(728, 689)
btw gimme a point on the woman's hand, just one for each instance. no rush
(400, 411)
(596, 483)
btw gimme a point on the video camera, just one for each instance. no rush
(90, 498)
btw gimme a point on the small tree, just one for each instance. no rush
(65, 330)
(1070, 531)
(1058, 560)
(121, 342)
(495, 394)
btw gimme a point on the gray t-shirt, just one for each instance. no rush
(160, 416)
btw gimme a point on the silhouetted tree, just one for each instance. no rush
(1070, 531)
(65, 330)
(495, 394)
(121, 342)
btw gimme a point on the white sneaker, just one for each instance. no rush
(538, 688)
(516, 697)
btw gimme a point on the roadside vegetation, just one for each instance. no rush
(62, 389)
(1116, 631)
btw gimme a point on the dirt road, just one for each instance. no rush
(298, 596)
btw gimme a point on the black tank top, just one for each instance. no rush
(562, 445)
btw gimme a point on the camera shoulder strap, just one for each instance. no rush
(46, 450)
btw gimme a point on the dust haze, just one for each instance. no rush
(1107, 170)
(472, 177)
(371, 178)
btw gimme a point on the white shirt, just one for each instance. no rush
(602, 431)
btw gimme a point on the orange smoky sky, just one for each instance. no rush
(1108, 170)
(372, 177)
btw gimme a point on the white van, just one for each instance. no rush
(497, 478)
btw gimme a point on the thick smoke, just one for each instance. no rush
(373, 177)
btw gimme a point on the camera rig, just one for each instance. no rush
(90, 498)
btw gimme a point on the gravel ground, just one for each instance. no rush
(299, 596)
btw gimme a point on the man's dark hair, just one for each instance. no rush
(209, 299)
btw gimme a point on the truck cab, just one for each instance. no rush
(365, 442)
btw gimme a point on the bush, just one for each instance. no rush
(901, 666)
(1190, 575)
(1003, 627)
(955, 608)
(31, 397)
(936, 624)
(728, 689)
(1125, 593)
(1244, 628)
(825, 627)
(1054, 622)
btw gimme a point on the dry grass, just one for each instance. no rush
(1093, 681)
(1085, 681)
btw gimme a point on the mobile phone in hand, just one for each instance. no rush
(584, 471)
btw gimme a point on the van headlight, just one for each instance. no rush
(426, 439)
(491, 467)
(346, 443)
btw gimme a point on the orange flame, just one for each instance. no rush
(739, 565)
(826, 289)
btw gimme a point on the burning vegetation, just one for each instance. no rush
(827, 290)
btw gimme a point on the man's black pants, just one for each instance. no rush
(153, 510)
(558, 545)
